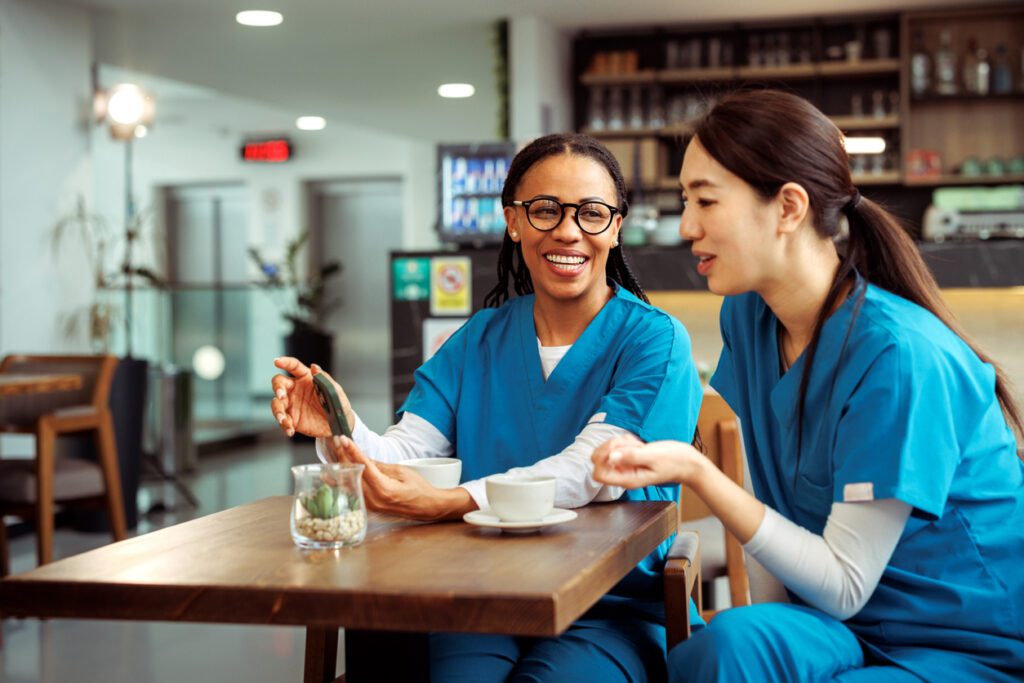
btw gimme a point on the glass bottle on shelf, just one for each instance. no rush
(1002, 78)
(770, 56)
(878, 104)
(945, 66)
(783, 54)
(856, 104)
(984, 72)
(920, 66)
(616, 114)
(754, 51)
(970, 67)
(883, 43)
(805, 48)
(595, 113)
(636, 108)
(657, 111)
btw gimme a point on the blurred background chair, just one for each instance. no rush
(31, 488)
(720, 552)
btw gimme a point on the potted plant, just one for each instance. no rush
(99, 245)
(302, 299)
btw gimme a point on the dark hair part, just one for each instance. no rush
(510, 259)
(769, 138)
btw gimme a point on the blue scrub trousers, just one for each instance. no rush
(776, 642)
(600, 647)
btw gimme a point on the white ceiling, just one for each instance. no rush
(378, 63)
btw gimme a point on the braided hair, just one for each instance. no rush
(510, 259)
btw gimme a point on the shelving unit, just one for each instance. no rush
(651, 156)
(955, 127)
(963, 126)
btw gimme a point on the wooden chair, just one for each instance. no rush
(30, 488)
(720, 552)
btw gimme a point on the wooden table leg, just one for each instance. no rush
(321, 654)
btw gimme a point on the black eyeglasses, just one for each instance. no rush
(545, 215)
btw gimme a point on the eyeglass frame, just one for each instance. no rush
(575, 214)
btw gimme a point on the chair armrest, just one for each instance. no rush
(682, 581)
(686, 546)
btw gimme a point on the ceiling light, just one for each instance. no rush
(456, 90)
(141, 131)
(258, 17)
(310, 123)
(864, 145)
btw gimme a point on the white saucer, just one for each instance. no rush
(489, 519)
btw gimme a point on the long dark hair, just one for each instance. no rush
(510, 259)
(769, 138)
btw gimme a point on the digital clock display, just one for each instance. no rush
(267, 151)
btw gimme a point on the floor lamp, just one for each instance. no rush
(129, 110)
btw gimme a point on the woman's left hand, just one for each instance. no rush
(397, 490)
(628, 462)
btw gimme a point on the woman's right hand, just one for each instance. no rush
(296, 406)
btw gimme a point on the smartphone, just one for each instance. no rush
(332, 406)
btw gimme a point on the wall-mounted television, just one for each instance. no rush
(470, 178)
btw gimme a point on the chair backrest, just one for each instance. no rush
(719, 430)
(97, 373)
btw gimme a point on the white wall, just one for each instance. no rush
(45, 52)
(540, 77)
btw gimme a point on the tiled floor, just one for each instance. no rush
(93, 651)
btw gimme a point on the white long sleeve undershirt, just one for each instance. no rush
(572, 468)
(838, 571)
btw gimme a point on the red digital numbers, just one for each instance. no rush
(268, 151)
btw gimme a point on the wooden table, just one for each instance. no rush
(240, 566)
(11, 384)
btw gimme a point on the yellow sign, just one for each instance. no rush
(450, 286)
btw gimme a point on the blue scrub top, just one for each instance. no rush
(485, 391)
(897, 406)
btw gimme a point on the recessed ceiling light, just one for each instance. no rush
(456, 90)
(310, 123)
(864, 145)
(259, 17)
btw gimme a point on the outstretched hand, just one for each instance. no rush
(295, 404)
(630, 463)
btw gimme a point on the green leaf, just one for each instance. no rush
(311, 508)
(325, 501)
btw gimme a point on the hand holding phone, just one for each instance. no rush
(331, 404)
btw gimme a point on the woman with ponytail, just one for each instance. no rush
(532, 385)
(889, 493)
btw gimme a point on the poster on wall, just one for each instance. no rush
(450, 286)
(436, 332)
(410, 279)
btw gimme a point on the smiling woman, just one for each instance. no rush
(528, 387)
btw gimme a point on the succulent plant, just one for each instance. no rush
(325, 502)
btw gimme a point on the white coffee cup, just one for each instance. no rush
(520, 499)
(444, 473)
